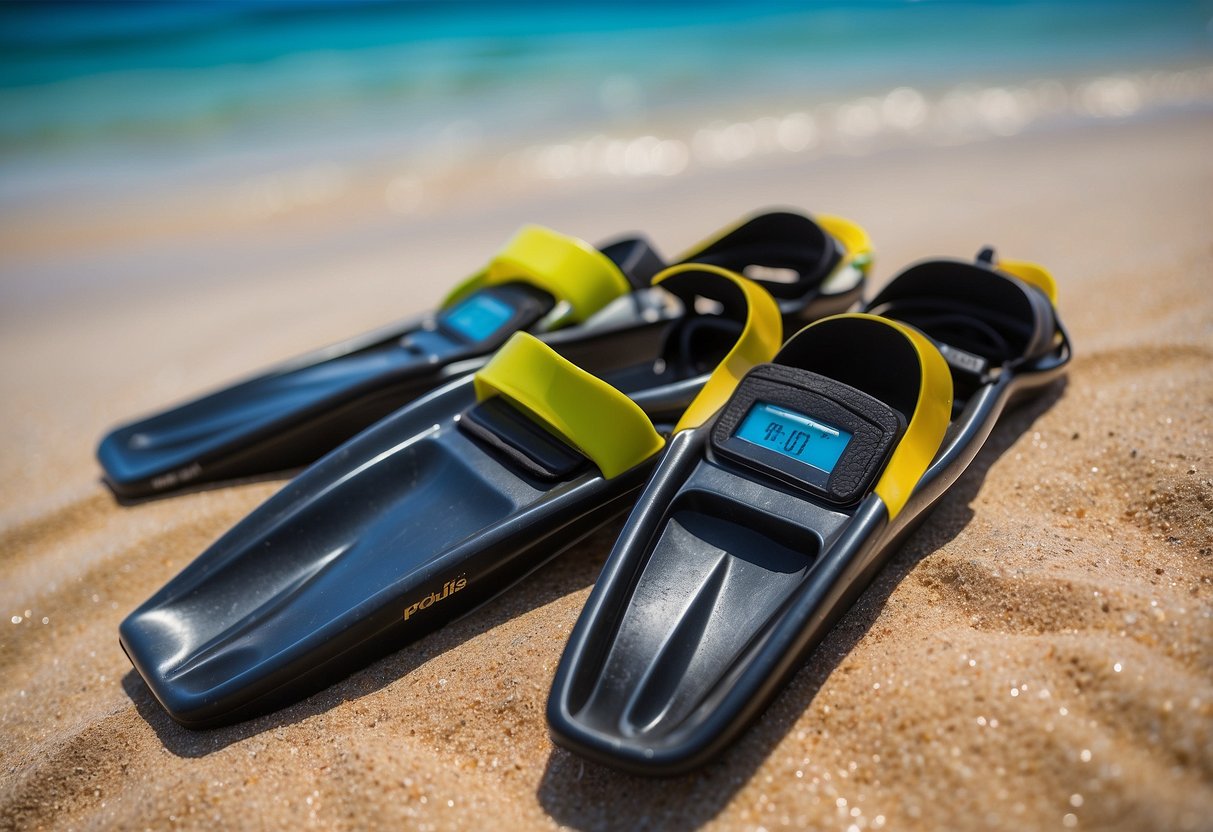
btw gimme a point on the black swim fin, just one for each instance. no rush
(594, 305)
(435, 510)
(758, 530)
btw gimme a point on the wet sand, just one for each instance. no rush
(1038, 656)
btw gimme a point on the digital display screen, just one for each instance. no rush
(794, 435)
(478, 317)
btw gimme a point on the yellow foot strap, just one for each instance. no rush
(1031, 273)
(927, 426)
(761, 332)
(855, 242)
(568, 269)
(580, 408)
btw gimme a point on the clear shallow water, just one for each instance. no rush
(98, 97)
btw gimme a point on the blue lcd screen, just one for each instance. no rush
(794, 435)
(479, 317)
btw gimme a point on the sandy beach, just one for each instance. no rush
(1038, 656)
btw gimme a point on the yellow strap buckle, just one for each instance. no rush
(570, 270)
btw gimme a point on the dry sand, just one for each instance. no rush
(1038, 656)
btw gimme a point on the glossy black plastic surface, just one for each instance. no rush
(408, 525)
(291, 415)
(724, 579)
(294, 413)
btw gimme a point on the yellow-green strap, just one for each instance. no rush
(855, 242)
(580, 408)
(925, 430)
(569, 269)
(761, 337)
(1033, 273)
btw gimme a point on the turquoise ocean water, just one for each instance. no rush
(102, 96)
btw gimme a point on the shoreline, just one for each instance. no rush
(314, 198)
(106, 266)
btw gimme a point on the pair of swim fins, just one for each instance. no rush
(761, 527)
(594, 305)
(449, 500)
(784, 481)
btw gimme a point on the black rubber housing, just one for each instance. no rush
(874, 426)
(410, 524)
(725, 577)
(293, 414)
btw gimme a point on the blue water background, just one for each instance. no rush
(124, 88)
